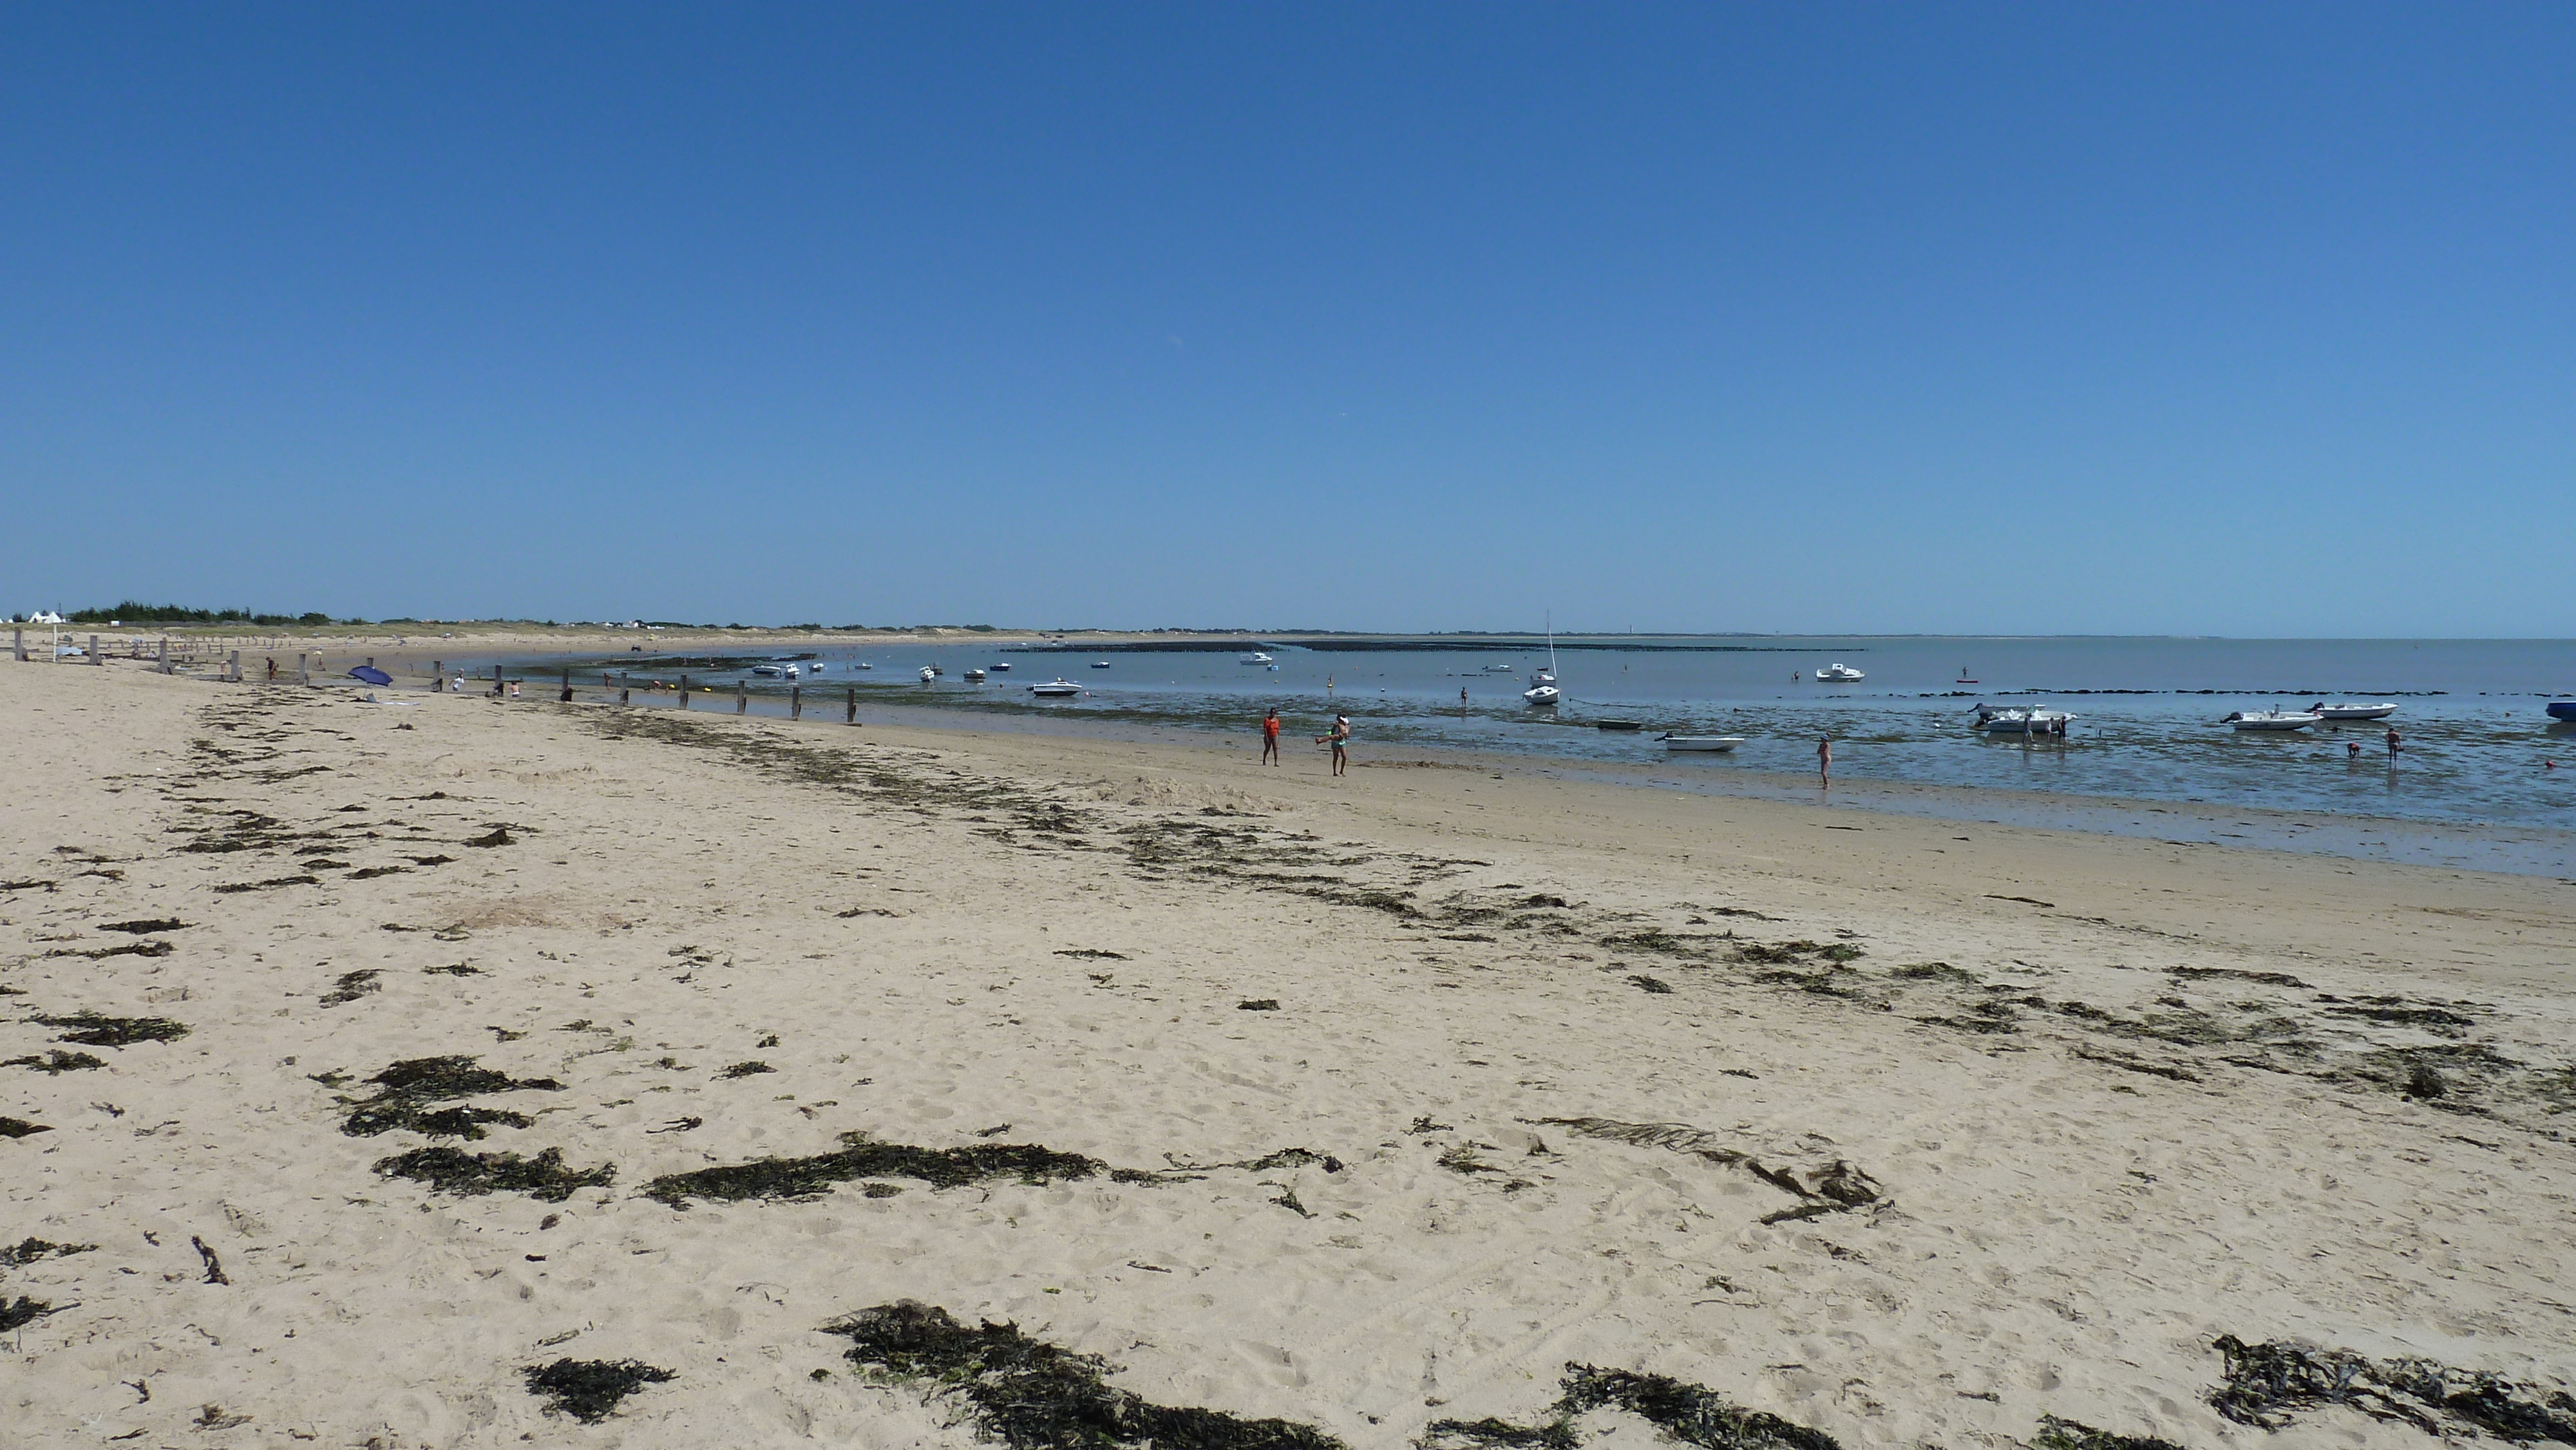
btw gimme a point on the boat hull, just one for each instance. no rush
(1715, 744)
(2562, 709)
(2358, 712)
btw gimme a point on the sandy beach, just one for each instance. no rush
(366, 1056)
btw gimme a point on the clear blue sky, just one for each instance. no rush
(2234, 319)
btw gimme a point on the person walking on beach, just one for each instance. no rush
(1270, 737)
(272, 669)
(1340, 737)
(1825, 762)
(2392, 744)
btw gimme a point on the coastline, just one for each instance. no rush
(2083, 1103)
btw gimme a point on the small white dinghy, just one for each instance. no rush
(2349, 711)
(2272, 719)
(1055, 689)
(929, 673)
(1001, 667)
(974, 677)
(1257, 657)
(1839, 673)
(1720, 743)
(775, 672)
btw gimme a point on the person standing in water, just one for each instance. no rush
(1270, 737)
(2392, 744)
(1825, 761)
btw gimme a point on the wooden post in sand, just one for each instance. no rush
(741, 696)
(303, 676)
(625, 692)
(684, 692)
(566, 696)
(852, 717)
(18, 644)
(232, 669)
(165, 654)
(94, 656)
(437, 675)
(795, 702)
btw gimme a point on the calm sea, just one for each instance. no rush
(2471, 713)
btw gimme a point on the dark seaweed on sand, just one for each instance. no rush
(26, 1311)
(746, 1069)
(1838, 1187)
(861, 1157)
(353, 985)
(145, 927)
(589, 1389)
(2057, 1434)
(2269, 1383)
(30, 1250)
(20, 1128)
(56, 1062)
(93, 1030)
(406, 1090)
(1031, 1395)
(1692, 1414)
(453, 1170)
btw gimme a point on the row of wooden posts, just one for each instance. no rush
(438, 680)
(93, 655)
(626, 691)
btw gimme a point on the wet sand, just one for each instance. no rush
(1904, 1130)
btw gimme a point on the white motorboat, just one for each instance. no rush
(1255, 658)
(2272, 719)
(1055, 689)
(929, 673)
(814, 669)
(771, 672)
(1502, 669)
(1542, 686)
(1839, 673)
(974, 677)
(1719, 743)
(1100, 664)
(1001, 667)
(2350, 711)
(2013, 720)
(863, 664)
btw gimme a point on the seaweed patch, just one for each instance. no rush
(862, 1157)
(589, 1389)
(471, 1175)
(1692, 1414)
(1028, 1394)
(2057, 1434)
(31, 1249)
(2268, 1384)
(353, 985)
(406, 1090)
(27, 1311)
(92, 1030)
(144, 927)
(55, 1062)
(20, 1128)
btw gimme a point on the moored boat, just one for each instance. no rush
(2562, 709)
(2014, 720)
(1056, 688)
(1701, 742)
(1839, 673)
(2272, 719)
(1257, 657)
(974, 677)
(2348, 711)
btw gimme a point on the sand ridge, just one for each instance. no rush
(1901, 1146)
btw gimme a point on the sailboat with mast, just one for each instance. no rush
(1542, 686)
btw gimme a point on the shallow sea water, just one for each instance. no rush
(2475, 734)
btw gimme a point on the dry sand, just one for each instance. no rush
(2153, 1096)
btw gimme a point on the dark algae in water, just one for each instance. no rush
(589, 1389)
(2268, 1384)
(1028, 1394)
